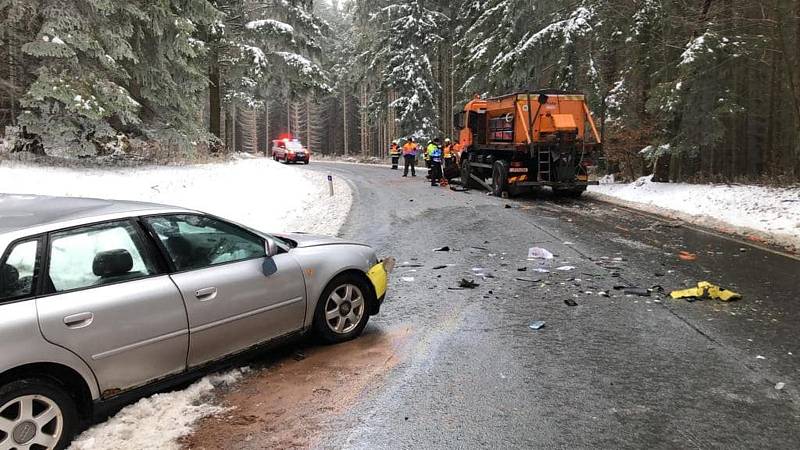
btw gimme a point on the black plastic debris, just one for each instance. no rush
(467, 284)
(410, 265)
(439, 267)
(522, 269)
(570, 302)
(529, 280)
(442, 249)
(641, 292)
(619, 287)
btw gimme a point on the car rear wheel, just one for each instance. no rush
(341, 312)
(36, 414)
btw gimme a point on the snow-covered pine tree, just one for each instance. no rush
(407, 35)
(80, 84)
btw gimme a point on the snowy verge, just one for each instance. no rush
(157, 422)
(756, 212)
(257, 192)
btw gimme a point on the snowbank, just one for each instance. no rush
(769, 213)
(257, 192)
(158, 422)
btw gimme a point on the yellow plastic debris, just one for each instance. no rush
(705, 289)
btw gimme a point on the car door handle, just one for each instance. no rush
(206, 294)
(80, 320)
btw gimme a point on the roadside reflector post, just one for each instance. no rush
(330, 184)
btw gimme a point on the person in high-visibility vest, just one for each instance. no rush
(394, 152)
(410, 157)
(434, 153)
(449, 167)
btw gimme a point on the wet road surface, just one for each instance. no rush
(466, 371)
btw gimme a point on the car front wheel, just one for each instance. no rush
(341, 312)
(36, 414)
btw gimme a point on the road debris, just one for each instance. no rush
(407, 279)
(687, 256)
(641, 292)
(467, 284)
(537, 324)
(603, 294)
(439, 267)
(528, 280)
(565, 268)
(442, 249)
(703, 290)
(522, 269)
(541, 270)
(780, 385)
(539, 253)
(760, 357)
(570, 302)
(457, 188)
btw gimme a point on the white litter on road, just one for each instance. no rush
(157, 422)
(773, 212)
(539, 253)
(256, 192)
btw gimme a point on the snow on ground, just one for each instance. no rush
(157, 422)
(257, 192)
(260, 193)
(769, 213)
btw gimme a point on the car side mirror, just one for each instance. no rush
(270, 247)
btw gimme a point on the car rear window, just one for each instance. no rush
(18, 270)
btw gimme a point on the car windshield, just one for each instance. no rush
(294, 146)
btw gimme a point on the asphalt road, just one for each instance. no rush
(612, 372)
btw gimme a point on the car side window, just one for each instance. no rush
(17, 271)
(194, 242)
(96, 255)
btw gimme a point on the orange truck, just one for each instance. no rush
(525, 141)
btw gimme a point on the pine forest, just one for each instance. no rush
(701, 90)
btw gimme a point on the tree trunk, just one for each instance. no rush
(214, 101)
(267, 140)
(344, 122)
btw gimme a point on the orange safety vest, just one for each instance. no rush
(410, 149)
(394, 150)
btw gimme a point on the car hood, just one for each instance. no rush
(304, 240)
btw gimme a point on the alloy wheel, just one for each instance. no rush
(344, 309)
(32, 422)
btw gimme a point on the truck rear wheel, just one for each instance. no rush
(499, 178)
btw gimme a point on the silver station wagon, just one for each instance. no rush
(104, 301)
